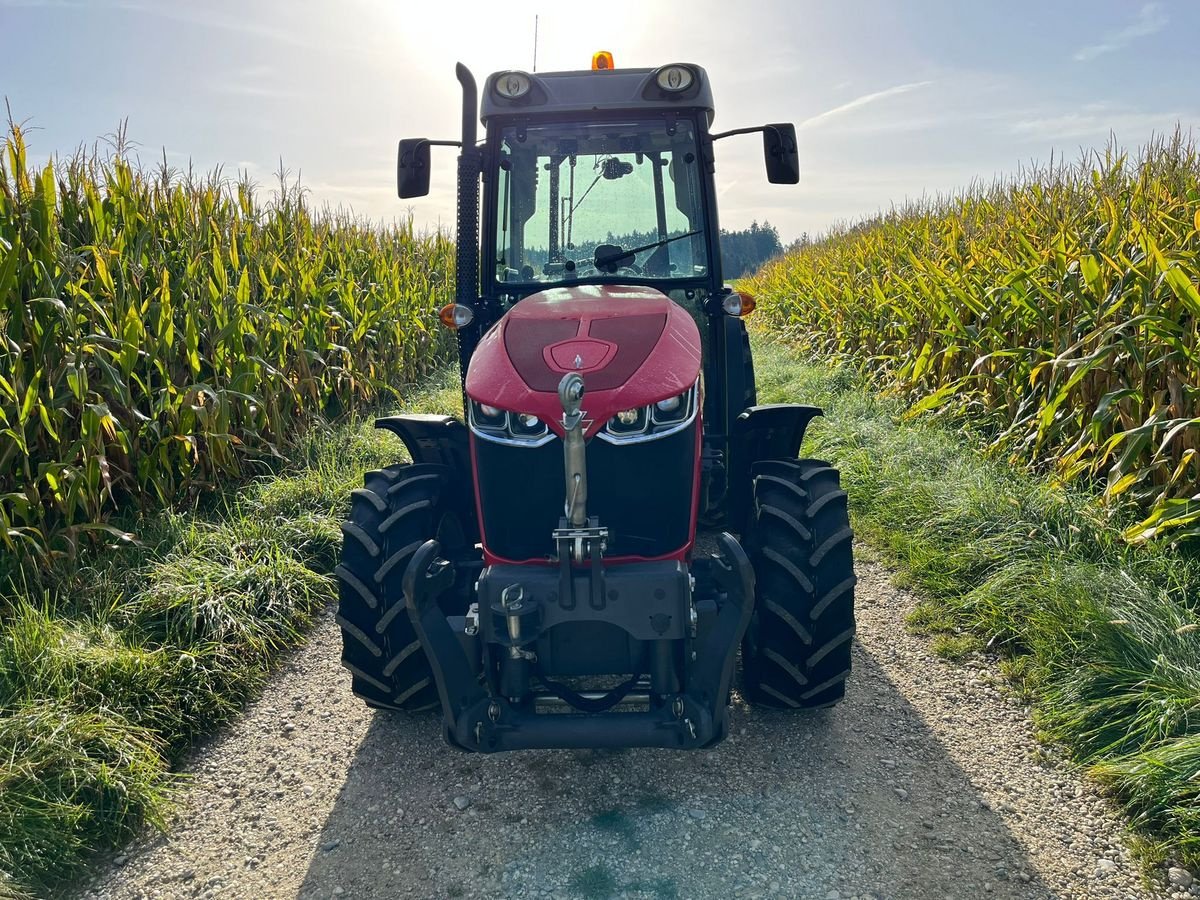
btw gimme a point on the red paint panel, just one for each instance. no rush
(657, 352)
(525, 339)
(635, 337)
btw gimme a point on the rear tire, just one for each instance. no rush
(796, 652)
(394, 513)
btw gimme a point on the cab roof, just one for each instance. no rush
(566, 94)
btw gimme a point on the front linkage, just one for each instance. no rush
(688, 626)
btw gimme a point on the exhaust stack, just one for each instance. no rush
(466, 238)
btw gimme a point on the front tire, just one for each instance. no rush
(796, 652)
(394, 513)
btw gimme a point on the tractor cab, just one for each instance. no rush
(603, 176)
(536, 569)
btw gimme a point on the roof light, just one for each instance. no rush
(674, 78)
(512, 85)
(602, 59)
(456, 315)
(738, 304)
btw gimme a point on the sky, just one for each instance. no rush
(892, 100)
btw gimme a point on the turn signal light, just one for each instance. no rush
(602, 59)
(457, 315)
(738, 304)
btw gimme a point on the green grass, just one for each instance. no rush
(112, 670)
(1104, 636)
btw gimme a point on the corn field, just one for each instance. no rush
(163, 332)
(1059, 310)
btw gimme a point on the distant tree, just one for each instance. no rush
(743, 252)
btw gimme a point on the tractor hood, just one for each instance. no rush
(633, 346)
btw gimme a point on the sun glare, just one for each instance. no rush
(488, 38)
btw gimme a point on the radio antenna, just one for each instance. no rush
(535, 30)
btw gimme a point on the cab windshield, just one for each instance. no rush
(599, 201)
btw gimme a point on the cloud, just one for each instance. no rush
(234, 20)
(1151, 20)
(858, 102)
(1096, 122)
(249, 89)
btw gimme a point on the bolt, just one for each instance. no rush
(494, 711)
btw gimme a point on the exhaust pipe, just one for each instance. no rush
(466, 233)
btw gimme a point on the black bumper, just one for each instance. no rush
(648, 602)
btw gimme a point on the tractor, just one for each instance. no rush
(577, 562)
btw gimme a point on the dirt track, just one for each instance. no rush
(925, 783)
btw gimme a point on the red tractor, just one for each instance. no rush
(536, 570)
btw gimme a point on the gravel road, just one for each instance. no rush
(926, 783)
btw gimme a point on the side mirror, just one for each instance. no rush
(412, 168)
(782, 156)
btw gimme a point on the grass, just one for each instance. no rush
(111, 671)
(1103, 636)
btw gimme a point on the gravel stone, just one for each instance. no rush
(1179, 877)
(793, 804)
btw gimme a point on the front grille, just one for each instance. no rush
(641, 492)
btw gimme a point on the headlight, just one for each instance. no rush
(505, 427)
(672, 410)
(512, 85)
(667, 416)
(526, 425)
(674, 78)
(629, 421)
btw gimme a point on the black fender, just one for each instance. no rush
(439, 440)
(772, 431)
(739, 367)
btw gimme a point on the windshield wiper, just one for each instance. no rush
(607, 258)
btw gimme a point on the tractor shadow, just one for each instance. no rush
(861, 799)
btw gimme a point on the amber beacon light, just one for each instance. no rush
(602, 59)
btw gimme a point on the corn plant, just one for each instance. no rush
(1059, 309)
(163, 333)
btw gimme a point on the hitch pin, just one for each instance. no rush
(512, 598)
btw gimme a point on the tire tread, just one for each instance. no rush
(797, 651)
(396, 510)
